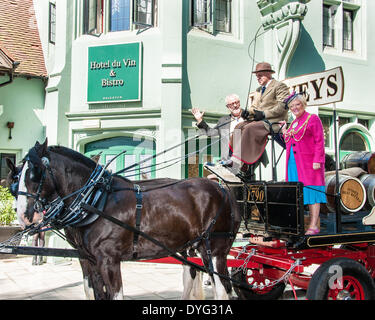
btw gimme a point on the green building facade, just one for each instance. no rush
(124, 74)
(23, 78)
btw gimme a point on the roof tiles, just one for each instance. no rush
(19, 36)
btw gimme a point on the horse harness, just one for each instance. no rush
(205, 236)
(56, 214)
(39, 203)
(90, 203)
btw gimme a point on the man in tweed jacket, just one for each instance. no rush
(268, 104)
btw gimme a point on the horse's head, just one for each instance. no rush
(47, 174)
(35, 186)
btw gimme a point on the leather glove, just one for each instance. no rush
(245, 115)
(259, 115)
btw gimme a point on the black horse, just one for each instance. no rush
(175, 213)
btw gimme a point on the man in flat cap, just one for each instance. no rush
(248, 146)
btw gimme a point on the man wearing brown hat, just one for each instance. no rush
(249, 145)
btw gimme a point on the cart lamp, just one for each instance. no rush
(10, 126)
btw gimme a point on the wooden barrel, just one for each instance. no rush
(362, 159)
(368, 181)
(352, 191)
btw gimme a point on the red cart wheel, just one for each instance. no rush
(341, 279)
(262, 291)
(348, 288)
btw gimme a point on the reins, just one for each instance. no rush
(178, 159)
(75, 215)
(80, 207)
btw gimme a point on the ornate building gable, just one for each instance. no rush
(284, 19)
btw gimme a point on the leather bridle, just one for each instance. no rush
(40, 204)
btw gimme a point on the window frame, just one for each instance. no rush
(101, 21)
(153, 13)
(211, 24)
(208, 12)
(109, 24)
(209, 151)
(52, 23)
(356, 9)
(228, 12)
(364, 122)
(111, 146)
(350, 133)
(327, 129)
(98, 17)
(331, 29)
(352, 15)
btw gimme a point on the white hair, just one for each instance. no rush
(232, 96)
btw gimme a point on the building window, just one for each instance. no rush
(343, 121)
(348, 30)
(93, 17)
(326, 121)
(212, 15)
(145, 13)
(4, 168)
(138, 153)
(198, 152)
(120, 15)
(341, 25)
(202, 13)
(364, 122)
(328, 25)
(52, 23)
(223, 15)
(353, 141)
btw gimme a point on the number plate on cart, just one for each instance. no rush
(277, 206)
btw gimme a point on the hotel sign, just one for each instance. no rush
(321, 87)
(114, 73)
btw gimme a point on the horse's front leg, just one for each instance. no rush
(110, 271)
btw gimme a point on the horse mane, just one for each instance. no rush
(122, 177)
(72, 154)
(79, 157)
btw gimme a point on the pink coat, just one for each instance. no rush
(308, 150)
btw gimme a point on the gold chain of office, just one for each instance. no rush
(292, 132)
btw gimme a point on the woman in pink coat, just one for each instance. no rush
(305, 157)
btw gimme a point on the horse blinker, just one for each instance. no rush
(35, 173)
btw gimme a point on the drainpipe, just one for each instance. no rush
(15, 64)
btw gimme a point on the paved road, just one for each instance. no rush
(20, 280)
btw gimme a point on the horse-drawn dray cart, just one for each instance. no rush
(336, 265)
(108, 219)
(339, 263)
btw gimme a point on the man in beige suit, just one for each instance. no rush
(268, 103)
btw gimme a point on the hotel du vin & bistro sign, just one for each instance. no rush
(114, 73)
